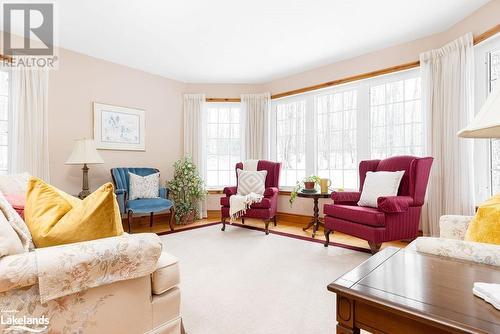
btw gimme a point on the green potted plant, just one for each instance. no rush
(308, 183)
(186, 189)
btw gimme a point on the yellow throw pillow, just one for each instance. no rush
(55, 218)
(485, 226)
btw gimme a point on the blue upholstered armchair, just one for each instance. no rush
(142, 205)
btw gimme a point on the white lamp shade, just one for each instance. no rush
(84, 152)
(486, 124)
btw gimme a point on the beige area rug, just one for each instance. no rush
(243, 282)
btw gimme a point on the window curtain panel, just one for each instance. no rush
(30, 143)
(194, 134)
(256, 109)
(448, 99)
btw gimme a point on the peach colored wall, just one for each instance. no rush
(81, 80)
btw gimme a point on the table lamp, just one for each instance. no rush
(84, 152)
(486, 124)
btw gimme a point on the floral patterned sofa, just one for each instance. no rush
(124, 284)
(451, 243)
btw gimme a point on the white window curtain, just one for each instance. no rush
(30, 143)
(194, 134)
(448, 88)
(256, 110)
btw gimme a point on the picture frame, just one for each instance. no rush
(119, 128)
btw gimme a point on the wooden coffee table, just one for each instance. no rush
(404, 291)
(315, 222)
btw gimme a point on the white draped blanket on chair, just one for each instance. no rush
(238, 204)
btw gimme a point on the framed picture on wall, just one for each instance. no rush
(119, 128)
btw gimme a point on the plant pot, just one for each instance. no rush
(187, 219)
(309, 185)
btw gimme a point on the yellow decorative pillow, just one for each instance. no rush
(55, 218)
(485, 226)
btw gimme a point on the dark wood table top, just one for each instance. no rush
(435, 288)
(316, 194)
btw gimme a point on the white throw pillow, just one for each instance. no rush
(251, 182)
(379, 184)
(144, 186)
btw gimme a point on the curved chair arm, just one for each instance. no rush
(270, 192)
(394, 204)
(229, 191)
(346, 197)
(121, 197)
(164, 192)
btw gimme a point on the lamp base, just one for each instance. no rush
(85, 184)
(83, 194)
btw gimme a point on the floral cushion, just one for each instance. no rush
(453, 226)
(67, 269)
(144, 186)
(16, 222)
(458, 249)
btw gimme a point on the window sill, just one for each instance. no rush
(220, 191)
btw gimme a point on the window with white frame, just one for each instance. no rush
(4, 122)
(396, 118)
(223, 140)
(336, 115)
(487, 152)
(291, 140)
(338, 127)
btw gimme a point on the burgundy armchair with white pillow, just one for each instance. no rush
(395, 218)
(266, 209)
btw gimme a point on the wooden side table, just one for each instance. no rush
(316, 222)
(403, 291)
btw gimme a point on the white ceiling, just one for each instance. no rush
(251, 41)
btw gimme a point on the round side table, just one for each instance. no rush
(315, 223)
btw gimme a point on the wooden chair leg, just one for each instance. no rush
(267, 226)
(374, 247)
(129, 220)
(223, 224)
(172, 217)
(274, 220)
(150, 220)
(327, 237)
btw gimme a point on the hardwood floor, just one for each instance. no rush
(160, 226)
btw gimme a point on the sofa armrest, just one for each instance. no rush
(345, 197)
(18, 271)
(163, 192)
(71, 268)
(453, 226)
(394, 204)
(121, 197)
(270, 192)
(229, 191)
(166, 275)
(458, 249)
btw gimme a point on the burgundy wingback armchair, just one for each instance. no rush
(395, 218)
(266, 209)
